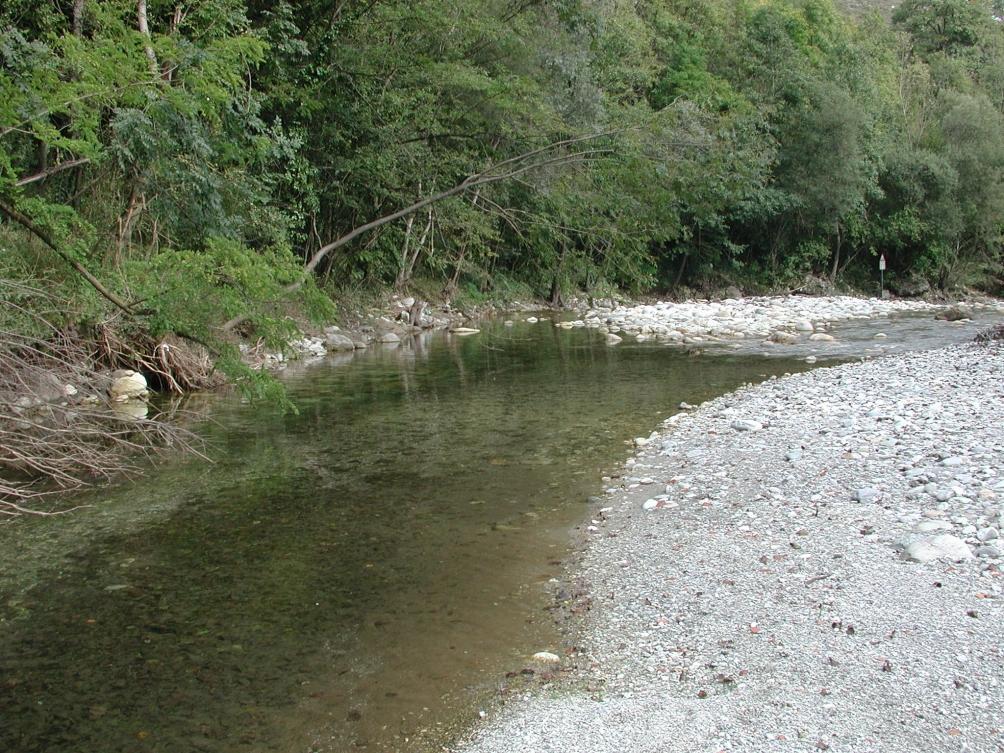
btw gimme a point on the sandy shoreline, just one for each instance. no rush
(775, 572)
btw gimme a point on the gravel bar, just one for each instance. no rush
(809, 564)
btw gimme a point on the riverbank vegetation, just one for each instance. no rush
(183, 173)
(184, 166)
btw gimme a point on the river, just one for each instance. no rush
(359, 576)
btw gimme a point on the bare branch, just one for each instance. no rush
(57, 431)
(43, 174)
(43, 235)
(510, 168)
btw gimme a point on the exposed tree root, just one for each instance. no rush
(58, 431)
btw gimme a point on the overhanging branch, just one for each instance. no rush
(510, 168)
(43, 235)
(43, 174)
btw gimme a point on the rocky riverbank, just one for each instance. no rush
(773, 319)
(813, 563)
(387, 324)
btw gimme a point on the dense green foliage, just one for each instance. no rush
(191, 157)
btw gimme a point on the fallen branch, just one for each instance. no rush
(43, 235)
(511, 168)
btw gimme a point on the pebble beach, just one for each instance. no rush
(813, 563)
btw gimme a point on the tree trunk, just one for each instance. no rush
(409, 226)
(680, 272)
(836, 258)
(415, 313)
(555, 297)
(126, 224)
(78, 18)
(405, 275)
(144, 29)
(167, 70)
(451, 286)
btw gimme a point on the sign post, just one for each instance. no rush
(882, 276)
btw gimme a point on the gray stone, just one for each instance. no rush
(943, 547)
(866, 494)
(746, 424)
(335, 341)
(388, 337)
(954, 314)
(783, 338)
(546, 657)
(988, 534)
(732, 292)
(988, 550)
(929, 526)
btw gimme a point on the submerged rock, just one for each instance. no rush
(134, 409)
(954, 314)
(546, 657)
(783, 338)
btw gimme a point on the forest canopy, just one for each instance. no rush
(181, 165)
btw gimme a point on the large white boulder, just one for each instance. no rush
(127, 385)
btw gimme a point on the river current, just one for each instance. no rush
(359, 576)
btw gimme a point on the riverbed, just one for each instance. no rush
(361, 575)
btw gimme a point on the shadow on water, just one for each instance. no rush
(356, 576)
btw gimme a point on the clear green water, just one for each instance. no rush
(359, 576)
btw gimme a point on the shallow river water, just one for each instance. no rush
(357, 576)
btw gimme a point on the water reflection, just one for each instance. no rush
(346, 577)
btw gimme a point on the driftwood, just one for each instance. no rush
(57, 431)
